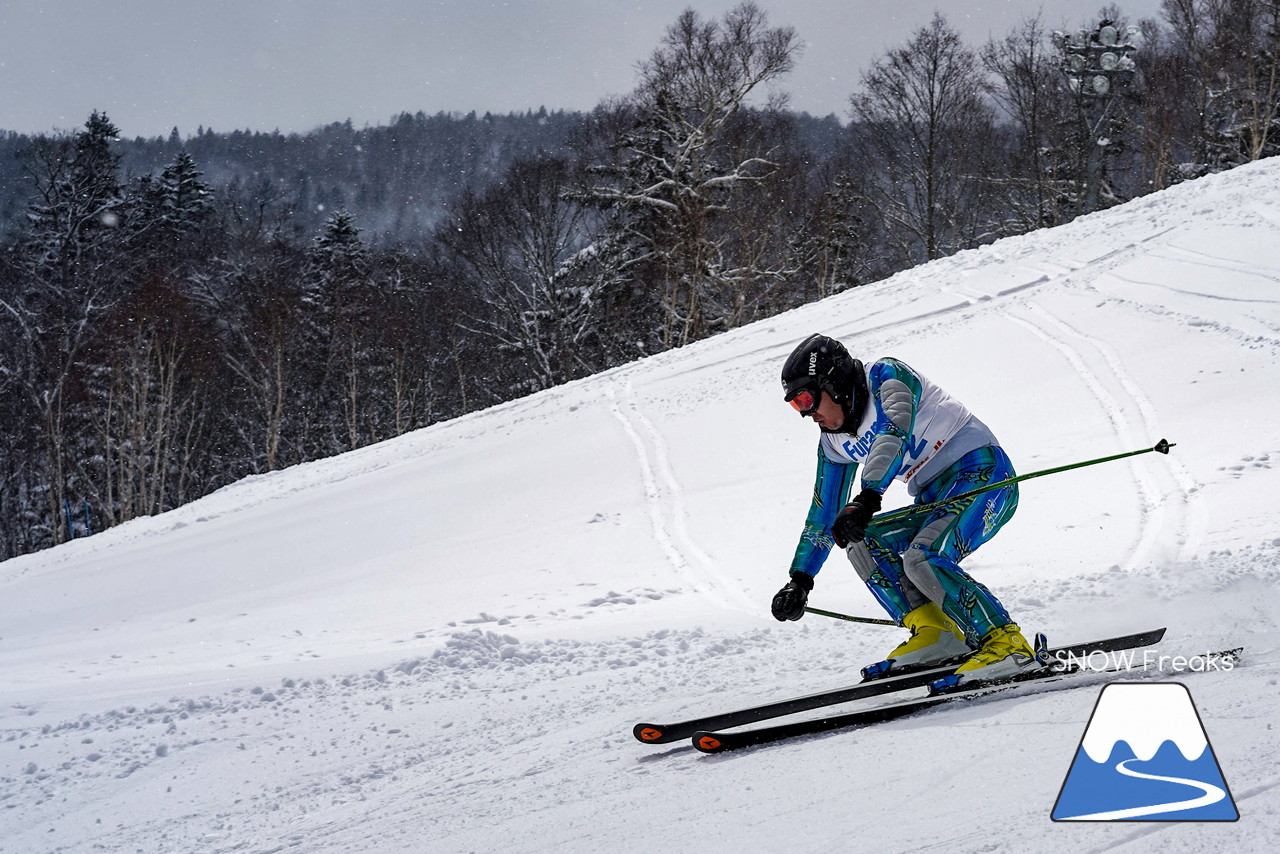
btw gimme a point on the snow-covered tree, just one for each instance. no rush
(670, 179)
(76, 211)
(526, 252)
(186, 200)
(337, 301)
(1229, 54)
(833, 244)
(72, 272)
(1028, 87)
(925, 127)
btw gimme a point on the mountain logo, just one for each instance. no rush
(1145, 757)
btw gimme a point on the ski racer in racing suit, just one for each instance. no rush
(893, 423)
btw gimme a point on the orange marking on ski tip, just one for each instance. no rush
(649, 733)
(709, 743)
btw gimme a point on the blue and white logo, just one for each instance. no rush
(1145, 757)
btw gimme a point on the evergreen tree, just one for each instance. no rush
(185, 198)
(74, 270)
(340, 299)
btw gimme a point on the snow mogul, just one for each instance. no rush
(894, 423)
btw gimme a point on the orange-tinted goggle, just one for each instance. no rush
(805, 401)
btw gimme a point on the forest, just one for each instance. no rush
(179, 313)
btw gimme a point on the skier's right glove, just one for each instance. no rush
(788, 603)
(851, 523)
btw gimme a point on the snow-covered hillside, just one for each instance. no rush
(441, 643)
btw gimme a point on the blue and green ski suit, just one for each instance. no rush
(915, 432)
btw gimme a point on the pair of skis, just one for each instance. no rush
(708, 736)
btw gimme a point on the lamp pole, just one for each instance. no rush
(1098, 65)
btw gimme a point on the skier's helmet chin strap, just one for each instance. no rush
(856, 409)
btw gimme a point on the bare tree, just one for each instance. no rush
(925, 126)
(253, 290)
(526, 250)
(1229, 52)
(149, 412)
(672, 180)
(1167, 129)
(1028, 87)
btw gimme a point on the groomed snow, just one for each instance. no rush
(441, 643)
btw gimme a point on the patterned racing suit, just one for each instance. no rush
(915, 432)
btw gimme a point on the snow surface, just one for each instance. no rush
(441, 643)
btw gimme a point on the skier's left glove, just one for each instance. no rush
(851, 523)
(788, 603)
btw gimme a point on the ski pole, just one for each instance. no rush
(876, 621)
(1162, 447)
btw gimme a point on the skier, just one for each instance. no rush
(897, 424)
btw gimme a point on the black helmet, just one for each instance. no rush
(822, 363)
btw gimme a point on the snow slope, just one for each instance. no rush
(440, 643)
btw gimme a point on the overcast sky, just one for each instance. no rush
(292, 65)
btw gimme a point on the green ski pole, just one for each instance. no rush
(1162, 447)
(875, 621)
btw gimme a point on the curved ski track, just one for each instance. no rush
(664, 497)
(1165, 492)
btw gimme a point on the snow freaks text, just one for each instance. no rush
(1147, 659)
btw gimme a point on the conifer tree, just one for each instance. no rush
(74, 273)
(185, 198)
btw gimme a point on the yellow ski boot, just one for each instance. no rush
(1004, 652)
(935, 640)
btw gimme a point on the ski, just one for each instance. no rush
(719, 742)
(656, 733)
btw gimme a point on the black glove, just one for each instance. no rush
(788, 604)
(851, 523)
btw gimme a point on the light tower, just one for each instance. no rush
(1099, 65)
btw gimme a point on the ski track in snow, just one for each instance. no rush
(1182, 516)
(1215, 262)
(665, 501)
(731, 595)
(1163, 515)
